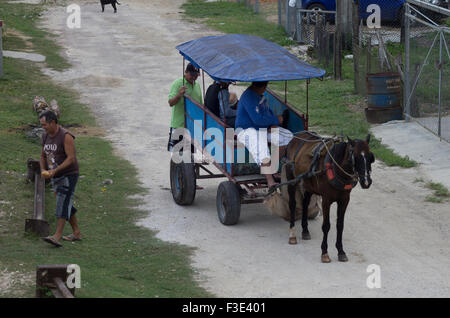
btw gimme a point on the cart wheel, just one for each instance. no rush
(228, 203)
(182, 182)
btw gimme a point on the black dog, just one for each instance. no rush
(112, 2)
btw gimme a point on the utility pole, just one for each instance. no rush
(346, 22)
(338, 42)
(356, 45)
(1, 50)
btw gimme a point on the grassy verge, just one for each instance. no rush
(21, 19)
(117, 258)
(440, 193)
(235, 18)
(330, 101)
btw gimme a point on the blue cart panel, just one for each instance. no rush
(209, 133)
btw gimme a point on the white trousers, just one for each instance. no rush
(256, 141)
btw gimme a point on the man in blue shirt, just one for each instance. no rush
(259, 126)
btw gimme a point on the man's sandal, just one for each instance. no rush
(52, 240)
(71, 238)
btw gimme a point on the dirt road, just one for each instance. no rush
(123, 67)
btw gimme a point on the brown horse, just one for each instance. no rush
(328, 168)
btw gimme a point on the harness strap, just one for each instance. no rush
(333, 179)
(297, 179)
(291, 163)
(316, 155)
(301, 144)
(329, 169)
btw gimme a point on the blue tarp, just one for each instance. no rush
(246, 58)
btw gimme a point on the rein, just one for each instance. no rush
(310, 174)
(352, 176)
(329, 153)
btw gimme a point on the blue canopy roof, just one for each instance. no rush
(246, 58)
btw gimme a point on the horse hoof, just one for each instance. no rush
(306, 236)
(326, 258)
(292, 240)
(342, 258)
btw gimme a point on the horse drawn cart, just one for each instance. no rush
(233, 58)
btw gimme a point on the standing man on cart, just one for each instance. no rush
(183, 85)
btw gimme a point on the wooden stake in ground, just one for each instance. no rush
(369, 56)
(385, 63)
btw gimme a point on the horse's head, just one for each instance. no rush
(362, 159)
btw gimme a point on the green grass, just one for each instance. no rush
(433, 199)
(439, 189)
(24, 18)
(328, 100)
(13, 43)
(234, 18)
(440, 193)
(117, 258)
(447, 22)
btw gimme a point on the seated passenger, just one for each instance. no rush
(221, 102)
(212, 99)
(258, 123)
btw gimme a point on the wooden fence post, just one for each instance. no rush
(356, 45)
(346, 21)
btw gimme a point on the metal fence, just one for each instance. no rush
(310, 24)
(321, 35)
(376, 53)
(378, 49)
(427, 70)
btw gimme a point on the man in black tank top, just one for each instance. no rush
(59, 163)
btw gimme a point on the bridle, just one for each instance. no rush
(329, 169)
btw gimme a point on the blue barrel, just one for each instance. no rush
(382, 115)
(384, 90)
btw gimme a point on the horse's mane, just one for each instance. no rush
(339, 151)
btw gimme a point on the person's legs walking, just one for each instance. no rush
(74, 223)
(59, 228)
(64, 188)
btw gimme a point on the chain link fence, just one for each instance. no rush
(379, 49)
(320, 34)
(416, 47)
(413, 45)
(311, 24)
(376, 53)
(427, 88)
